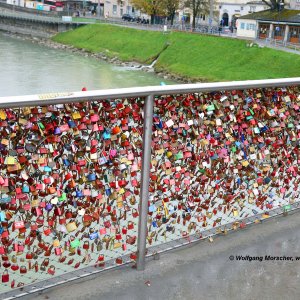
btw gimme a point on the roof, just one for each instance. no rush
(285, 15)
(256, 2)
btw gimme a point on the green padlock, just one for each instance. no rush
(63, 197)
(210, 107)
(178, 155)
(75, 243)
(41, 125)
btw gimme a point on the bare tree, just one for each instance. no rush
(197, 7)
(274, 4)
(170, 8)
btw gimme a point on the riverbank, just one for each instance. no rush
(188, 57)
(99, 56)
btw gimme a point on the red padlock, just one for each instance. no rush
(86, 245)
(5, 276)
(119, 260)
(130, 225)
(133, 256)
(51, 270)
(47, 231)
(124, 230)
(101, 257)
(15, 267)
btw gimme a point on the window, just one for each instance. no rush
(294, 31)
(251, 27)
(252, 9)
(242, 25)
(114, 9)
(128, 9)
(121, 11)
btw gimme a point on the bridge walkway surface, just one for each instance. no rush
(204, 270)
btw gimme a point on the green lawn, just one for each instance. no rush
(200, 57)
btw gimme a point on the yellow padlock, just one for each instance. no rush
(169, 154)
(2, 115)
(56, 243)
(235, 212)
(10, 160)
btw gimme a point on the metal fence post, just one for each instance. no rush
(144, 193)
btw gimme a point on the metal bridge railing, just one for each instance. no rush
(84, 188)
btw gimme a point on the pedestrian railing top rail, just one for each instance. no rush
(59, 98)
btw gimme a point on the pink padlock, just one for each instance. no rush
(20, 247)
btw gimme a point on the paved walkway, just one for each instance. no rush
(204, 270)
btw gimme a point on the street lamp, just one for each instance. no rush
(280, 7)
(211, 15)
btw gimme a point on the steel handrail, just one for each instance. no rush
(86, 96)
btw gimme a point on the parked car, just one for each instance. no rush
(128, 17)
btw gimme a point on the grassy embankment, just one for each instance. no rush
(199, 57)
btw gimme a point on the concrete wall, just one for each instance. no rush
(33, 28)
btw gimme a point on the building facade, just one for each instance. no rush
(117, 8)
(282, 26)
(295, 4)
(231, 10)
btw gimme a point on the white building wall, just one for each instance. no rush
(114, 9)
(295, 4)
(16, 2)
(237, 10)
(246, 28)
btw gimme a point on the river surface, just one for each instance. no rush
(27, 68)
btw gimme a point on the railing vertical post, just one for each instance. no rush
(144, 194)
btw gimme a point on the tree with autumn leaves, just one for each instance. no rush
(168, 8)
(154, 8)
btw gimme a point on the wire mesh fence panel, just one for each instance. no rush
(221, 160)
(69, 183)
(70, 174)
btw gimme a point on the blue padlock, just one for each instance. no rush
(47, 169)
(154, 224)
(2, 216)
(79, 194)
(66, 162)
(106, 135)
(71, 124)
(25, 189)
(94, 235)
(91, 177)
(108, 192)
